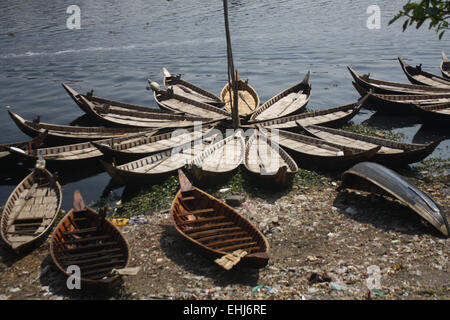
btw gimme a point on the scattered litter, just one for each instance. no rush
(268, 289)
(224, 190)
(397, 268)
(235, 200)
(127, 271)
(337, 286)
(120, 222)
(14, 290)
(139, 220)
(257, 288)
(272, 290)
(378, 292)
(317, 278)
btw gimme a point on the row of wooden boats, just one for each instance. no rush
(428, 96)
(150, 155)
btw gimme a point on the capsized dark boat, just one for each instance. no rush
(287, 102)
(391, 153)
(436, 114)
(445, 66)
(5, 155)
(62, 134)
(88, 240)
(31, 209)
(217, 228)
(375, 178)
(186, 89)
(399, 103)
(386, 87)
(417, 76)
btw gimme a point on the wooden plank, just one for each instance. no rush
(196, 212)
(210, 226)
(219, 243)
(201, 220)
(222, 235)
(237, 246)
(90, 254)
(89, 247)
(96, 259)
(103, 237)
(211, 232)
(81, 231)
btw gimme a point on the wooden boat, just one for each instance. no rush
(216, 228)
(318, 153)
(266, 159)
(399, 103)
(248, 99)
(171, 101)
(88, 240)
(391, 153)
(158, 166)
(219, 160)
(105, 103)
(332, 117)
(70, 134)
(116, 116)
(290, 101)
(145, 145)
(386, 87)
(72, 153)
(445, 66)
(5, 155)
(31, 209)
(188, 90)
(437, 114)
(417, 76)
(374, 178)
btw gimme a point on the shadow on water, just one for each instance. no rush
(384, 214)
(13, 174)
(196, 261)
(428, 133)
(389, 122)
(85, 121)
(57, 282)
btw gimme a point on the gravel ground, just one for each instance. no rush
(324, 245)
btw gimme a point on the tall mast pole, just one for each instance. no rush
(232, 76)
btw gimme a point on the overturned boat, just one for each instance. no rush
(375, 178)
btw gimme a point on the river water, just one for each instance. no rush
(121, 43)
